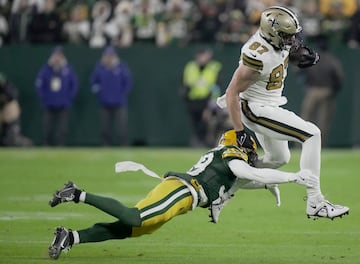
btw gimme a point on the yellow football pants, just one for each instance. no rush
(167, 200)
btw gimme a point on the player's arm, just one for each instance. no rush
(242, 78)
(243, 170)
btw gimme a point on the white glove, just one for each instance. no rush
(274, 189)
(307, 178)
(221, 101)
(217, 205)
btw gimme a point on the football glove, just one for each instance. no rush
(274, 189)
(303, 56)
(217, 205)
(244, 140)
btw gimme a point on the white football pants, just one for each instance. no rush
(274, 127)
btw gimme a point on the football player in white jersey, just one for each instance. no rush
(254, 98)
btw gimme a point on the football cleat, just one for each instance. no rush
(61, 242)
(66, 194)
(326, 209)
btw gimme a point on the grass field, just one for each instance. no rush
(251, 228)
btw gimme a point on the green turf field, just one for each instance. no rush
(251, 228)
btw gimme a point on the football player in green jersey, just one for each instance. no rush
(208, 184)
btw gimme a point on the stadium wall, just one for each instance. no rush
(157, 116)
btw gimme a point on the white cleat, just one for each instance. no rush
(326, 209)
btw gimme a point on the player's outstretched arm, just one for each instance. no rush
(243, 170)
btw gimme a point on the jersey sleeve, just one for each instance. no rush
(252, 59)
(231, 153)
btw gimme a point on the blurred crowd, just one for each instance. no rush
(121, 23)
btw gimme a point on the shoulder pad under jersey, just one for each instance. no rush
(234, 153)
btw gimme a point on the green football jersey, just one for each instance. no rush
(212, 171)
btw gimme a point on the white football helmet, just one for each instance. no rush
(279, 25)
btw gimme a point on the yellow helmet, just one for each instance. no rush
(229, 139)
(278, 25)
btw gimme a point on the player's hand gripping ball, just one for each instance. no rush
(303, 56)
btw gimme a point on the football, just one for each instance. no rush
(297, 54)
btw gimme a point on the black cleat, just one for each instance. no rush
(60, 243)
(66, 194)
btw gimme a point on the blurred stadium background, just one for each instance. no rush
(157, 66)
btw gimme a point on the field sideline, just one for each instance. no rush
(251, 230)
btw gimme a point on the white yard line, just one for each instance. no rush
(23, 215)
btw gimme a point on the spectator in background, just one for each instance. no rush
(353, 39)
(323, 81)
(46, 26)
(100, 13)
(200, 84)
(37, 5)
(111, 82)
(19, 21)
(4, 24)
(206, 28)
(119, 28)
(254, 9)
(56, 86)
(76, 30)
(145, 20)
(235, 30)
(176, 19)
(311, 19)
(10, 132)
(337, 14)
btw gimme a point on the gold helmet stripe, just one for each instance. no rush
(291, 14)
(275, 125)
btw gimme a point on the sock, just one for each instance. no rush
(82, 197)
(74, 238)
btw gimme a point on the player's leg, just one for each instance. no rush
(65, 239)
(165, 201)
(168, 199)
(70, 192)
(276, 152)
(276, 124)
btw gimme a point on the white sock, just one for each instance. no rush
(82, 197)
(76, 237)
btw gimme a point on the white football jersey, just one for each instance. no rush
(272, 65)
